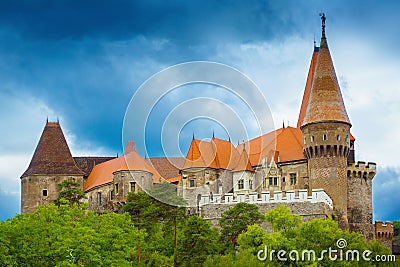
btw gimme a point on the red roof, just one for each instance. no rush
(283, 145)
(52, 154)
(243, 164)
(216, 153)
(325, 102)
(307, 89)
(104, 172)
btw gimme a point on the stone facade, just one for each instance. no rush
(384, 233)
(38, 190)
(316, 205)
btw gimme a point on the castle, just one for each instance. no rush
(311, 167)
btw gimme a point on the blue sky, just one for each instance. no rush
(82, 61)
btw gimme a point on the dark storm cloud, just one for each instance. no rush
(183, 21)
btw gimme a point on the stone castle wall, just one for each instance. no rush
(38, 190)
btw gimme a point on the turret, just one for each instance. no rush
(326, 133)
(51, 163)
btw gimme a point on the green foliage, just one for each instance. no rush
(63, 236)
(281, 219)
(70, 191)
(235, 220)
(198, 241)
(396, 225)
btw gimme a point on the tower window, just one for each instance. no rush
(116, 189)
(305, 140)
(283, 179)
(99, 198)
(241, 184)
(324, 137)
(293, 178)
(191, 183)
(338, 137)
(44, 192)
(112, 195)
(251, 184)
(312, 139)
(132, 187)
(347, 138)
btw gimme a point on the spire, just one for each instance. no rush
(243, 163)
(324, 43)
(130, 147)
(213, 134)
(52, 154)
(193, 136)
(307, 89)
(325, 98)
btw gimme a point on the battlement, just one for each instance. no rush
(361, 170)
(290, 196)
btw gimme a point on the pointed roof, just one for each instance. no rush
(216, 153)
(325, 101)
(104, 173)
(307, 90)
(282, 145)
(243, 164)
(52, 154)
(130, 146)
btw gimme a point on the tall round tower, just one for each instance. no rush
(326, 133)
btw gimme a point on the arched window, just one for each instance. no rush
(324, 137)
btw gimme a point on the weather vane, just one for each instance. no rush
(323, 18)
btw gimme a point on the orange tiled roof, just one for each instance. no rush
(216, 153)
(307, 89)
(168, 167)
(86, 164)
(326, 102)
(243, 164)
(52, 154)
(103, 173)
(283, 145)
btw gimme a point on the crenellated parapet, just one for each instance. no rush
(290, 196)
(361, 169)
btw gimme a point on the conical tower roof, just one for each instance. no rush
(52, 154)
(307, 89)
(325, 102)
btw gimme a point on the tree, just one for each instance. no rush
(235, 220)
(198, 241)
(71, 191)
(281, 219)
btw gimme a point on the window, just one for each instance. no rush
(99, 197)
(116, 189)
(250, 184)
(132, 187)
(312, 138)
(324, 137)
(112, 195)
(283, 179)
(44, 192)
(191, 183)
(305, 140)
(347, 138)
(265, 183)
(273, 181)
(241, 184)
(293, 178)
(338, 137)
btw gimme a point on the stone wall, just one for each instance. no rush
(38, 190)
(384, 232)
(359, 195)
(307, 210)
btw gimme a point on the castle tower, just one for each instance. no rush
(51, 163)
(326, 133)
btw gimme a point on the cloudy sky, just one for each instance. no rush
(82, 61)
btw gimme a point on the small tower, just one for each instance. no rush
(326, 133)
(51, 163)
